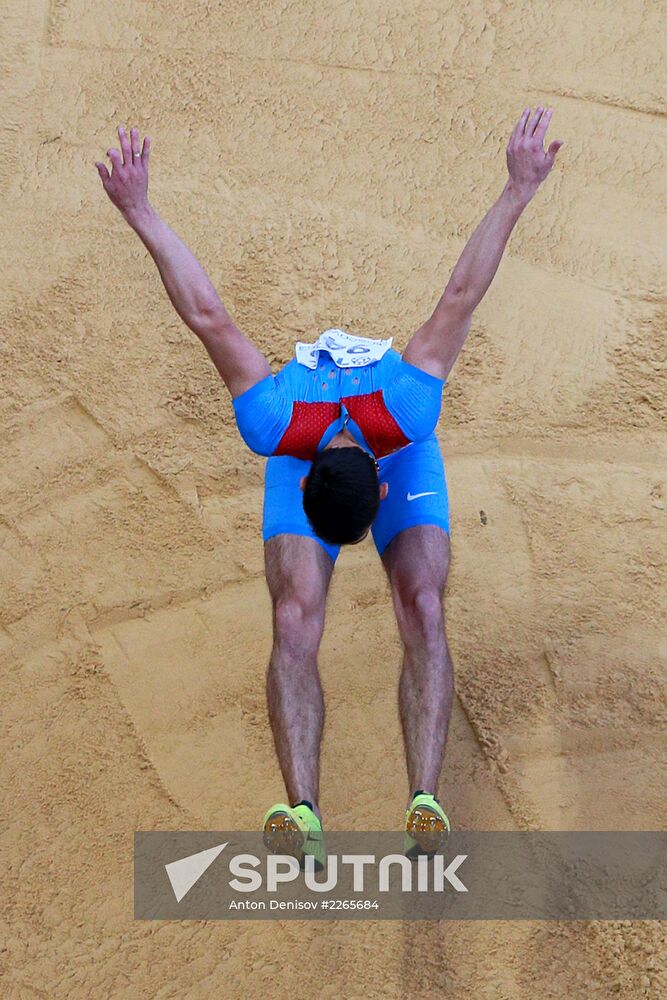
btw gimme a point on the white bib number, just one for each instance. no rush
(346, 350)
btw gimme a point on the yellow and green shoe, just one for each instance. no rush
(426, 826)
(296, 831)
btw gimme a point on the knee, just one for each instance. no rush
(298, 623)
(420, 616)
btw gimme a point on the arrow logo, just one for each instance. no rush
(185, 873)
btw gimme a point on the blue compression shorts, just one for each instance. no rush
(417, 495)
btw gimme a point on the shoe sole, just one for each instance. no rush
(283, 836)
(427, 829)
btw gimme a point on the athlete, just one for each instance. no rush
(348, 428)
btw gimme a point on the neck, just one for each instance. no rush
(342, 440)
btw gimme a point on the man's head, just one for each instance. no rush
(342, 493)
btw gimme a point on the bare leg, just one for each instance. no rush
(417, 561)
(298, 572)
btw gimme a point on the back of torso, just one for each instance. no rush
(324, 395)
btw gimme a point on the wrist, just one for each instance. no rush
(139, 216)
(517, 195)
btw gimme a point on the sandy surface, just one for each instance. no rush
(326, 163)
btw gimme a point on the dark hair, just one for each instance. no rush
(342, 494)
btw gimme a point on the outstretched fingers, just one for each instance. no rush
(102, 171)
(540, 134)
(134, 145)
(132, 153)
(534, 122)
(533, 129)
(543, 125)
(125, 146)
(519, 127)
(115, 157)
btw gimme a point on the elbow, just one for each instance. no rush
(456, 295)
(210, 322)
(456, 303)
(212, 309)
(456, 288)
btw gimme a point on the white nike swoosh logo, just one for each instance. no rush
(415, 496)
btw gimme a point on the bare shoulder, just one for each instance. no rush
(435, 346)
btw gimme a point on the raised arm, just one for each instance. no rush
(436, 345)
(194, 298)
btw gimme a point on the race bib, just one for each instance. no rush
(346, 350)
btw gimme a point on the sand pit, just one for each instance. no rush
(325, 163)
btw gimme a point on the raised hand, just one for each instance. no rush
(127, 184)
(527, 162)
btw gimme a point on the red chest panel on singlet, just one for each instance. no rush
(310, 420)
(376, 423)
(305, 429)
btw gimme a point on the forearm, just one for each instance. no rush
(482, 254)
(185, 280)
